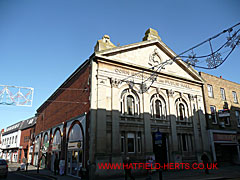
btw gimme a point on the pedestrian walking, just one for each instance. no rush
(56, 165)
(127, 169)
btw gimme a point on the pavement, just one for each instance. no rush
(224, 172)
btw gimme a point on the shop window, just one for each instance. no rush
(158, 107)
(237, 117)
(75, 134)
(131, 142)
(129, 102)
(235, 100)
(213, 114)
(57, 138)
(210, 90)
(223, 94)
(45, 138)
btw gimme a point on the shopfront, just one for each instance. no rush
(56, 147)
(45, 147)
(223, 143)
(75, 148)
(36, 150)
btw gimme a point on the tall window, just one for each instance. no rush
(223, 94)
(182, 110)
(12, 139)
(129, 102)
(213, 114)
(210, 90)
(16, 139)
(158, 107)
(237, 117)
(131, 142)
(130, 105)
(185, 143)
(235, 97)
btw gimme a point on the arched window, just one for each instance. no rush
(129, 102)
(158, 107)
(57, 137)
(182, 110)
(75, 134)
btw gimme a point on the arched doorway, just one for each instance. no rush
(75, 150)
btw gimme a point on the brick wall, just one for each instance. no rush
(69, 101)
(217, 101)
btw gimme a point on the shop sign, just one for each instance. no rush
(224, 137)
(56, 147)
(74, 145)
(224, 113)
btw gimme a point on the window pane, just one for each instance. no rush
(131, 145)
(181, 112)
(223, 94)
(130, 105)
(213, 114)
(57, 138)
(235, 97)
(75, 133)
(184, 142)
(210, 91)
(158, 108)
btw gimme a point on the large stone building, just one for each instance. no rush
(115, 104)
(223, 117)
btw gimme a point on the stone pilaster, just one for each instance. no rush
(172, 117)
(115, 116)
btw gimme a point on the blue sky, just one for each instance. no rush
(42, 42)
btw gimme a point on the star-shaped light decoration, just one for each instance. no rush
(192, 60)
(214, 60)
(233, 40)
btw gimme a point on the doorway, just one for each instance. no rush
(160, 151)
(74, 162)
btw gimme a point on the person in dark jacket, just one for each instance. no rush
(205, 160)
(127, 169)
(56, 166)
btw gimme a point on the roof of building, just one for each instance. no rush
(28, 123)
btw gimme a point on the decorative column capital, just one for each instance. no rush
(115, 82)
(191, 97)
(170, 92)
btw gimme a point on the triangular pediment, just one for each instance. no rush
(147, 54)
